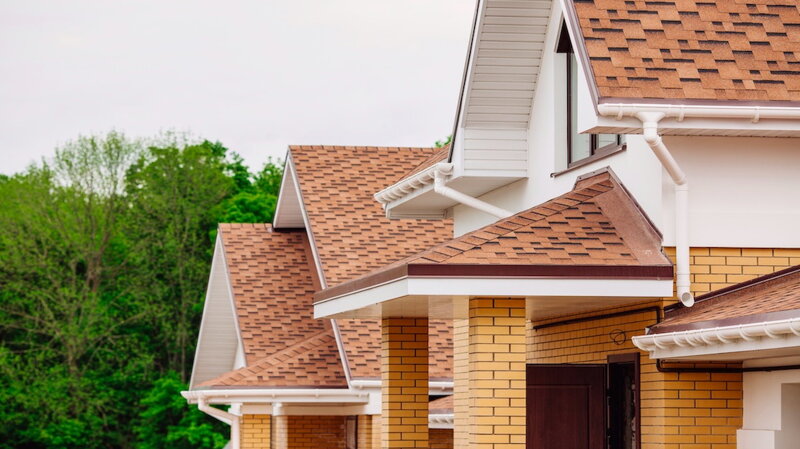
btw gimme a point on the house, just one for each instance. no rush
(290, 380)
(615, 164)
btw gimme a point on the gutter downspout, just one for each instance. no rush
(440, 188)
(650, 131)
(228, 418)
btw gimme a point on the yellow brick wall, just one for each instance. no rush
(316, 432)
(497, 373)
(679, 410)
(440, 439)
(715, 268)
(404, 374)
(461, 383)
(255, 432)
(367, 432)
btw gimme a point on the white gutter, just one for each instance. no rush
(650, 119)
(228, 418)
(434, 387)
(679, 112)
(436, 175)
(688, 342)
(441, 421)
(273, 395)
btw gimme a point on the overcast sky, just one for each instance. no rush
(256, 75)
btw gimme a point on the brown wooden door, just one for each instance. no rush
(566, 407)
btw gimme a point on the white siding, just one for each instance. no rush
(218, 341)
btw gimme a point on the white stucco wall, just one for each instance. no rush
(771, 410)
(743, 191)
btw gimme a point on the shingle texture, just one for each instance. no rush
(768, 294)
(353, 236)
(441, 406)
(314, 362)
(596, 223)
(744, 50)
(271, 281)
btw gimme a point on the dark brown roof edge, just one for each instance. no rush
(733, 321)
(699, 102)
(654, 272)
(730, 289)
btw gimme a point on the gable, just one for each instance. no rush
(218, 342)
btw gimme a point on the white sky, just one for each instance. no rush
(256, 75)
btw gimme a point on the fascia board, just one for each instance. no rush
(282, 395)
(511, 287)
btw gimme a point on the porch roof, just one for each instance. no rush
(560, 248)
(757, 319)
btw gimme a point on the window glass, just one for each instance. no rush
(606, 139)
(580, 145)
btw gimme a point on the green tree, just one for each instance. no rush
(104, 256)
(166, 420)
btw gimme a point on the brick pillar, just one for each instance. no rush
(255, 432)
(280, 432)
(404, 372)
(461, 383)
(365, 432)
(497, 373)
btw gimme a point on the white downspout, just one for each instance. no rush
(447, 192)
(650, 131)
(228, 418)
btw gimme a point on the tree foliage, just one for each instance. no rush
(104, 254)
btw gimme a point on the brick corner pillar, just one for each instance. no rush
(255, 431)
(280, 428)
(497, 373)
(404, 373)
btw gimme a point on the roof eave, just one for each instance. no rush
(528, 281)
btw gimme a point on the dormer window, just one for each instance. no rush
(580, 146)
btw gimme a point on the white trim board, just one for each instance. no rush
(431, 288)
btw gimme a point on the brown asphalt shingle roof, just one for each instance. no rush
(765, 298)
(743, 50)
(270, 274)
(312, 363)
(353, 236)
(595, 224)
(441, 406)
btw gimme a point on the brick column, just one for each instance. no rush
(365, 432)
(404, 372)
(497, 373)
(461, 383)
(255, 432)
(280, 432)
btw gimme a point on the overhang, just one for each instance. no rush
(423, 290)
(759, 337)
(589, 248)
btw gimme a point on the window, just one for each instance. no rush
(580, 146)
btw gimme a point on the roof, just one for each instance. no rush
(352, 236)
(767, 298)
(271, 281)
(739, 50)
(443, 405)
(595, 230)
(313, 362)
(439, 156)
